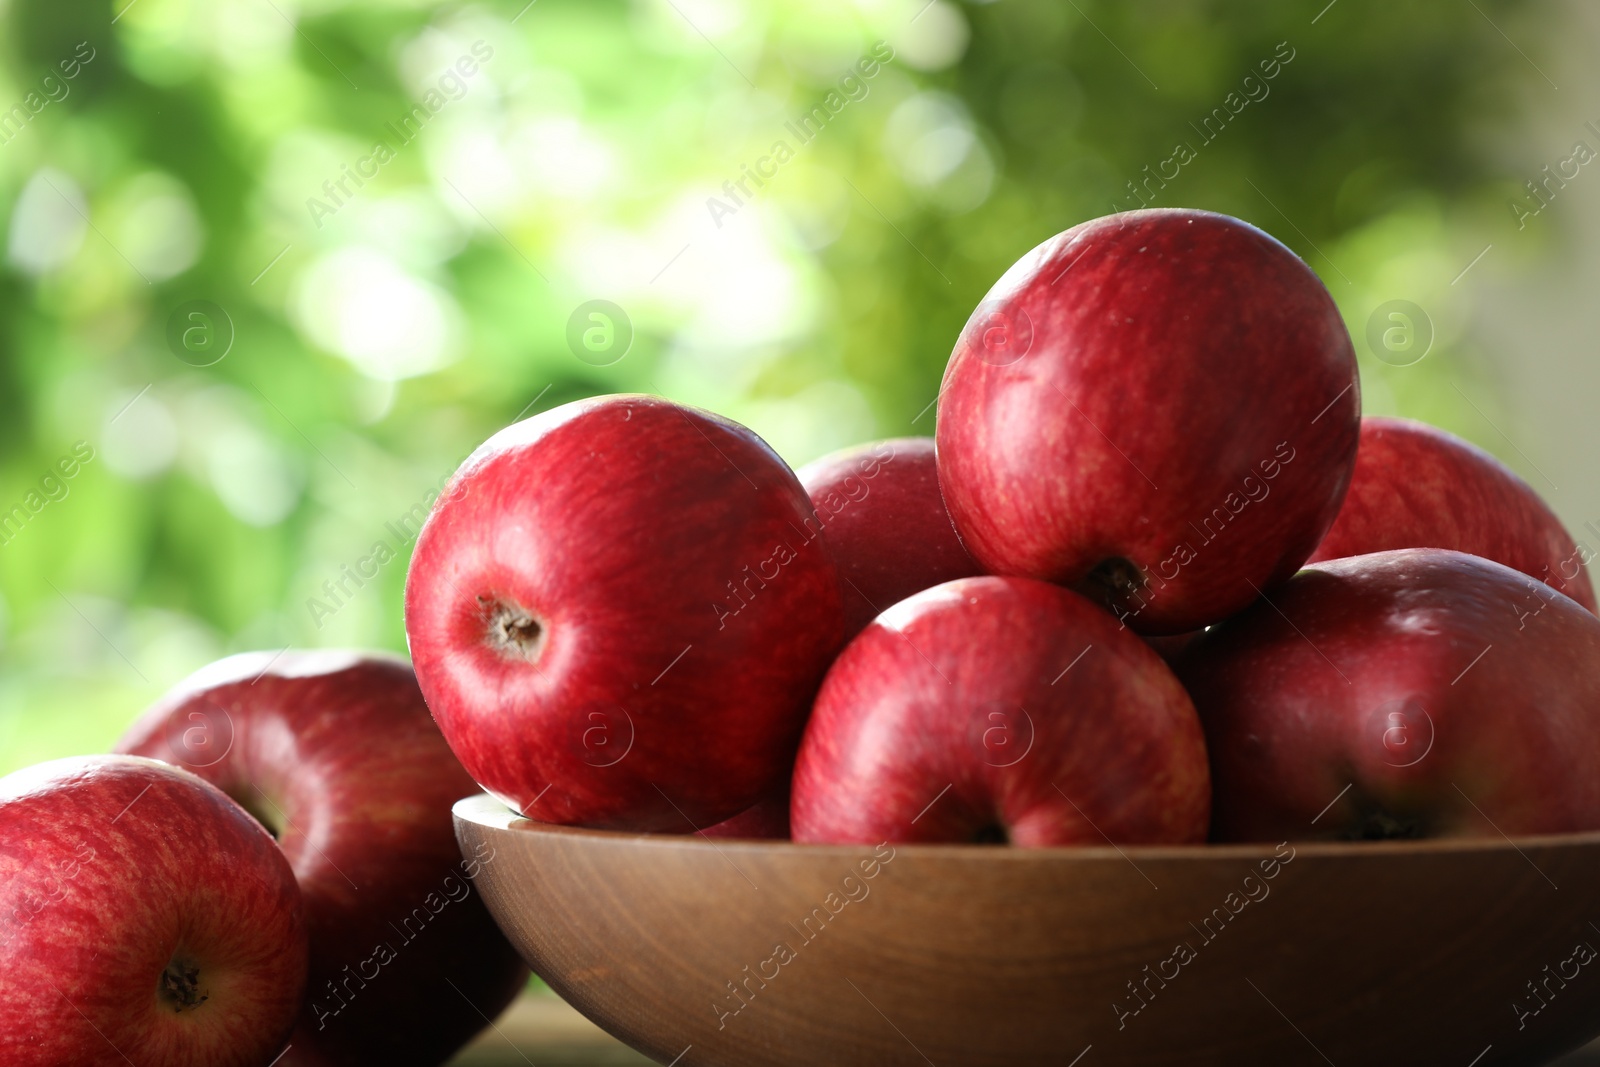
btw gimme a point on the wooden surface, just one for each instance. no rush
(543, 1029)
(1389, 953)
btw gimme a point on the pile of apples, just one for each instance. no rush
(1155, 581)
(266, 873)
(1082, 614)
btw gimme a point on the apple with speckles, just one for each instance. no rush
(144, 918)
(1001, 710)
(619, 612)
(1408, 693)
(885, 523)
(336, 754)
(1159, 409)
(1416, 486)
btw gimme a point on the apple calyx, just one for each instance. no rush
(180, 986)
(1377, 823)
(512, 630)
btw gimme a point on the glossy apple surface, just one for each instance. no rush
(619, 612)
(144, 918)
(1001, 709)
(885, 523)
(1416, 486)
(336, 754)
(1411, 693)
(1159, 408)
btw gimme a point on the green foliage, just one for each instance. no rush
(378, 339)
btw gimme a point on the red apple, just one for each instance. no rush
(1171, 646)
(1158, 409)
(1001, 709)
(1418, 487)
(1412, 693)
(144, 918)
(885, 523)
(768, 820)
(619, 612)
(336, 754)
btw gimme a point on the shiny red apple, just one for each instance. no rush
(619, 612)
(885, 523)
(336, 754)
(145, 918)
(1416, 486)
(1001, 709)
(1411, 693)
(1158, 408)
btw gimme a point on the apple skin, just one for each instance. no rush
(885, 523)
(1159, 409)
(972, 712)
(768, 820)
(336, 752)
(1417, 486)
(120, 877)
(619, 612)
(1354, 705)
(1171, 646)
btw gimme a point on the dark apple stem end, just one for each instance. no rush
(512, 630)
(1113, 582)
(180, 986)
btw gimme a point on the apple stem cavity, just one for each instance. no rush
(180, 986)
(993, 834)
(262, 810)
(1113, 582)
(511, 630)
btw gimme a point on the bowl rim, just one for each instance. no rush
(490, 812)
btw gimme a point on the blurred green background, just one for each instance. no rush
(268, 362)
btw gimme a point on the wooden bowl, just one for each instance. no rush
(1458, 953)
